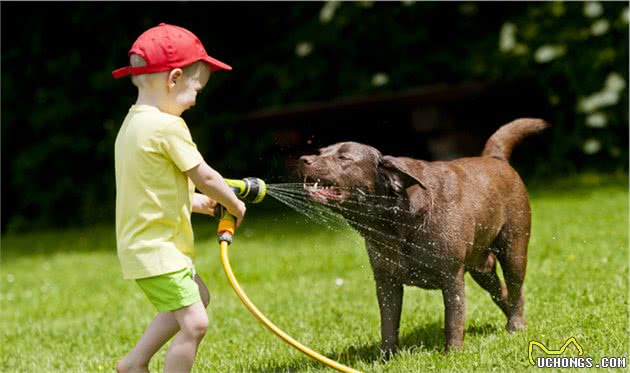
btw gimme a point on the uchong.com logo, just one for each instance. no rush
(554, 358)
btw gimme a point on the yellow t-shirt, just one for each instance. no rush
(153, 194)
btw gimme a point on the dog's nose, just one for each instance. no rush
(307, 159)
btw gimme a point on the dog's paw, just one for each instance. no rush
(516, 324)
(453, 347)
(387, 353)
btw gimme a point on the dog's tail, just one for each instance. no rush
(501, 143)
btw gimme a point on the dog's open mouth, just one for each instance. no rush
(321, 190)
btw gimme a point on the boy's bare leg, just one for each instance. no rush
(193, 324)
(160, 330)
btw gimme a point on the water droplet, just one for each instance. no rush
(10, 278)
(339, 282)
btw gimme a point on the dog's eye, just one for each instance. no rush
(343, 157)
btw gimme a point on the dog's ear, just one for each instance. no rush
(398, 175)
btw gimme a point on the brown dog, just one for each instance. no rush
(426, 223)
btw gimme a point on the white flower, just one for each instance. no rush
(608, 96)
(614, 82)
(380, 79)
(591, 146)
(598, 100)
(625, 15)
(339, 282)
(303, 49)
(507, 37)
(328, 11)
(596, 120)
(593, 9)
(548, 53)
(600, 27)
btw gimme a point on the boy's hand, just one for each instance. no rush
(202, 204)
(238, 213)
(212, 184)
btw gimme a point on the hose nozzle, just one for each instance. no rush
(249, 189)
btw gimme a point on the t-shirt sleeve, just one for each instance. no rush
(177, 144)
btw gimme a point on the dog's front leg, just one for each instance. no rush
(454, 309)
(389, 292)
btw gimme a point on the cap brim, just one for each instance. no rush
(119, 73)
(128, 70)
(216, 64)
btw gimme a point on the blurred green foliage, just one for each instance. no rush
(62, 109)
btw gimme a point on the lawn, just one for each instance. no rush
(66, 308)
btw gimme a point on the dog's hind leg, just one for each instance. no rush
(487, 277)
(513, 259)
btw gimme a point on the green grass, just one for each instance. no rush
(66, 308)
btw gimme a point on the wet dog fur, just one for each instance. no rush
(426, 223)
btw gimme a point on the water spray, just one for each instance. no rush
(254, 190)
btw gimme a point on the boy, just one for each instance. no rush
(157, 169)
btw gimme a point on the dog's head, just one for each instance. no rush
(347, 170)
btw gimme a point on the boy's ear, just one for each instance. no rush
(173, 77)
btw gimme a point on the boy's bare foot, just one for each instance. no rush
(125, 366)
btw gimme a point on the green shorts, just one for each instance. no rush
(171, 291)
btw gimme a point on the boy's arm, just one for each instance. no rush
(202, 204)
(211, 183)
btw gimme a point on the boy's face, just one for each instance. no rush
(185, 88)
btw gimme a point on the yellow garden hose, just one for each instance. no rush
(226, 230)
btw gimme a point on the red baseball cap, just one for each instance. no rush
(166, 47)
